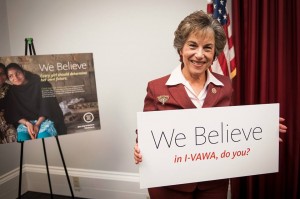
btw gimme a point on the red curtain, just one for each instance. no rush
(266, 37)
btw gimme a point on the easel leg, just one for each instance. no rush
(47, 167)
(63, 161)
(26, 44)
(20, 174)
(29, 43)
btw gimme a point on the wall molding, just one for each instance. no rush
(9, 184)
(84, 173)
(9, 176)
(93, 183)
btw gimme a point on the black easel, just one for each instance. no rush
(29, 44)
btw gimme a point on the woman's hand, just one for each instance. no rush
(137, 154)
(282, 127)
(36, 129)
(36, 126)
(30, 129)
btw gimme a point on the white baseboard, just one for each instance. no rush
(9, 184)
(92, 183)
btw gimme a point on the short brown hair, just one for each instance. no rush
(196, 21)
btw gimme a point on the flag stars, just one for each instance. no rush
(219, 11)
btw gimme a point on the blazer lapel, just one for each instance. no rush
(212, 96)
(180, 96)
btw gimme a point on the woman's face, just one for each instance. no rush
(2, 77)
(16, 77)
(198, 53)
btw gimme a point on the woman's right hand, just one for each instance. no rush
(137, 154)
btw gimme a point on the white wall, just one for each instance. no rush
(132, 43)
(9, 154)
(4, 35)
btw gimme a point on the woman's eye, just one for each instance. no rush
(208, 48)
(192, 46)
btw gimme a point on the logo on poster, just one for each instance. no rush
(88, 117)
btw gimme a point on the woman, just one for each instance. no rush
(7, 131)
(199, 39)
(32, 105)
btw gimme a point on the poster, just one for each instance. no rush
(55, 94)
(194, 145)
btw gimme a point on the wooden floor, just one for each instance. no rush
(36, 195)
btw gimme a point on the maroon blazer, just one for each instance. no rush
(175, 97)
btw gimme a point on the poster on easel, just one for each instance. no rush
(47, 95)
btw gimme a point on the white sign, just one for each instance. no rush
(194, 145)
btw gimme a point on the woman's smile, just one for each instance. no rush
(198, 54)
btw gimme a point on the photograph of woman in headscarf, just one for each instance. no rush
(32, 106)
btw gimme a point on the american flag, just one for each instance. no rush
(225, 63)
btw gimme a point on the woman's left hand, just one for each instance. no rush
(30, 129)
(37, 125)
(36, 129)
(282, 127)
